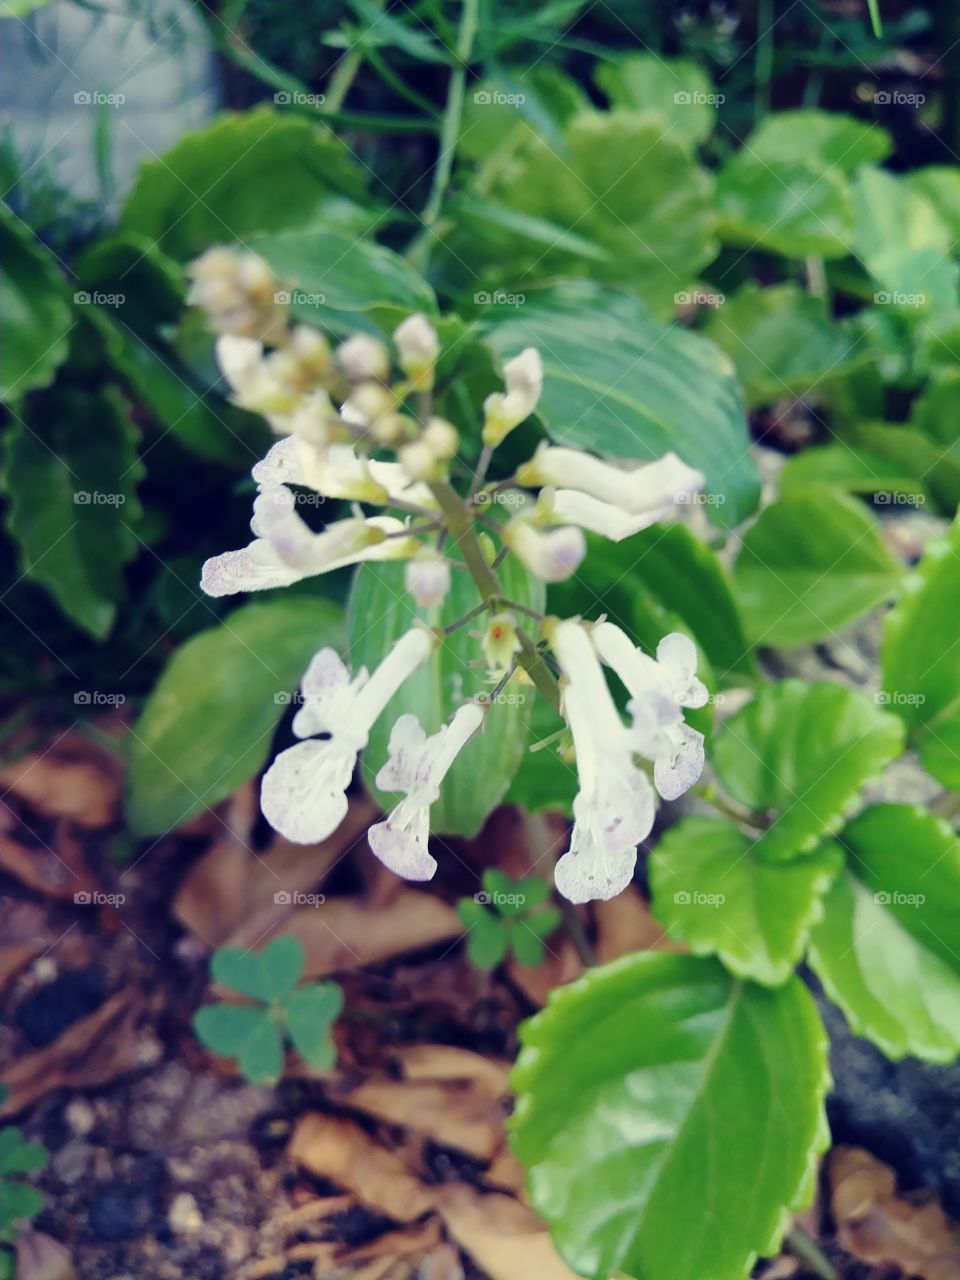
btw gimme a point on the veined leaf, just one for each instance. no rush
(36, 315)
(790, 207)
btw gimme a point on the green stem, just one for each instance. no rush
(801, 1243)
(419, 251)
(709, 794)
(577, 935)
(344, 74)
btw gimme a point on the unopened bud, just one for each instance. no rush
(442, 438)
(501, 642)
(362, 357)
(418, 347)
(427, 578)
(312, 350)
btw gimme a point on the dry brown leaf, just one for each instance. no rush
(561, 965)
(415, 1240)
(877, 1225)
(624, 924)
(40, 1257)
(232, 891)
(339, 1150)
(450, 1112)
(343, 933)
(13, 960)
(59, 784)
(507, 1173)
(442, 1263)
(447, 1062)
(58, 872)
(305, 1215)
(506, 1239)
(91, 1051)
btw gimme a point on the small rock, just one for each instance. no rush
(44, 969)
(80, 1117)
(119, 1212)
(73, 1162)
(184, 1214)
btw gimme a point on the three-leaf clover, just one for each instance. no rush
(17, 1155)
(255, 1034)
(508, 916)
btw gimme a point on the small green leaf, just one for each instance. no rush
(857, 469)
(920, 658)
(526, 945)
(711, 891)
(267, 975)
(813, 562)
(36, 315)
(486, 934)
(70, 472)
(247, 1033)
(379, 612)
(311, 1011)
(677, 90)
(824, 138)
(206, 727)
(17, 1155)
(803, 752)
(888, 948)
(17, 1200)
(790, 207)
(658, 1082)
(903, 242)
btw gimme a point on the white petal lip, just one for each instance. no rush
(567, 506)
(676, 770)
(400, 842)
(650, 488)
(303, 794)
(552, 556)
(238, 359)
(281, 465)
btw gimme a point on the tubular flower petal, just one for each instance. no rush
(650, 490)
(427, 578)
(567, 506)
(504, 411)
(552, 556)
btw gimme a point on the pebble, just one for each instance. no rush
(80, 1117)
(184, 1216)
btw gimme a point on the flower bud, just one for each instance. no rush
(552, 556)
(501, 642)
(427, 578)
(368, 402)
(311, 350)
(362, 357)
(418, 348)
(419, 461)
(441, 437)
(502, 412)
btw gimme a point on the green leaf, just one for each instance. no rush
(677, 90)
(888, 949)
(311, 1011)
(618, 380)
(486, 934)
(545, 781)
(782, 341)
(621, 182)
(813, 562)
(920, 657)
(711, 891)
(17, 1155)
(857, 469)
(347, 273)
(826, 139)
(789, 207)
(206, 726)
(379, 612)
(259, 170)
(940, 185)
(251, 1035)
(803, 751)
(70, 473)
(36, 316)
(659, 1082)
(936, 414)
(267, 975)
(526, 945)
(17, 1200)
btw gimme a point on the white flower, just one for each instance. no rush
(238, 293)
(614, 808)
(362, 357)
(285, 550)
(427, 578)
(658, 689)
(567, 506)
(303, 792)
(650, 490)
(502, 412)
(417, 765)
(339, 472)
(418, 346)
(552, 556)
(501, 643)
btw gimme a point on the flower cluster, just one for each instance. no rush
(353, 430)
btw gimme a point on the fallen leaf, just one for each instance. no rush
(451, 1112)
(414, 1240)
(507, 1173)
(624, 924)
(40, 1257)
(561, 965)
(59, 784)
(58, 872)
(505, 1239)
(447, 1062)
(13, 960)
(339, 1150)
(442, 1263)
(91, 1051)
(877, 1225)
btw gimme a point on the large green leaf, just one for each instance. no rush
(786, 206)
(813, 562)
(712, 891)
(824, 138)
(782, 341)
(380, 611)
(921, 657)
(70, 473)
(677, 90)
(888, 949)
(620, 382)
(660, 1082)
(547, 779)
(36, 316)
(258, 170)
(620, 182)
(206, 727)
(878, 467)
(940, 184)
(802, 752)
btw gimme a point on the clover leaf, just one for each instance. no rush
(508, 916)
(256, 1034)
(17, 1155)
